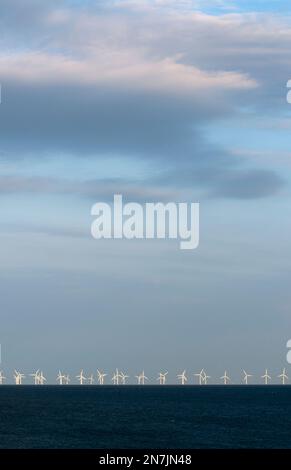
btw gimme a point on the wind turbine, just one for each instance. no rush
(266, 377)
(42, 378)
(205, 378)
(162, 378)
(18, 377)
(200, 375)
(182, 377)
(67, 379)
(36, 377)
(101, 377)
(123, 378)
(283, 376)
(81, 378)
(2, 378)
(141, 378)
(116, 377)
(91, 379)
(246, 376)
(225, 378)
(61, 378)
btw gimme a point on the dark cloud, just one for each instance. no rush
(226, 180)
(93, 190)
(252, 184)
(233, 183)
(106, 120)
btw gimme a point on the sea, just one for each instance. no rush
(138, 417)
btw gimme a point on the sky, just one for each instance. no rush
(157, 100)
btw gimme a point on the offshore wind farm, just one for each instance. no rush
(119, 378)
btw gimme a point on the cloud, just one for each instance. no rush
(94, 190)
(225, 182)
(107, 80)
(126, 72)
(179, 185)
(251, 184)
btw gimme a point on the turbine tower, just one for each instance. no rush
(67, 379)
(61, 378)
(182, 377)
(91, 379)
(225, 378)
(200, 376)
(100, 377)
(141, 378)
(42, 378)
(36, 377)
(246, 376)
(2, 378)
(116, 377)
(266, 377)
(123, 378)
(162, 378)
(18, 377)
(205, 378)
(81, 378)
(283, 376)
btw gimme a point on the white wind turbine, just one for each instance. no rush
(123, 378)
(205, 378)
(36, 377)
(91, 379)
(116, 377)
(81, 378)
(283, 376)
(61, 378)
(141, 378)
(200, 375)
(42, 378)
(67, 379)
(2, 378)
(266, 377)
(246, 376)
(101, 376)
(162, 378)
(225, 378)
(18, 377)
(182, 377)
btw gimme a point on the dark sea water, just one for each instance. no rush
(145, 417)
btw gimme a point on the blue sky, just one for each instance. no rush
(274, 6)
(158, 100)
